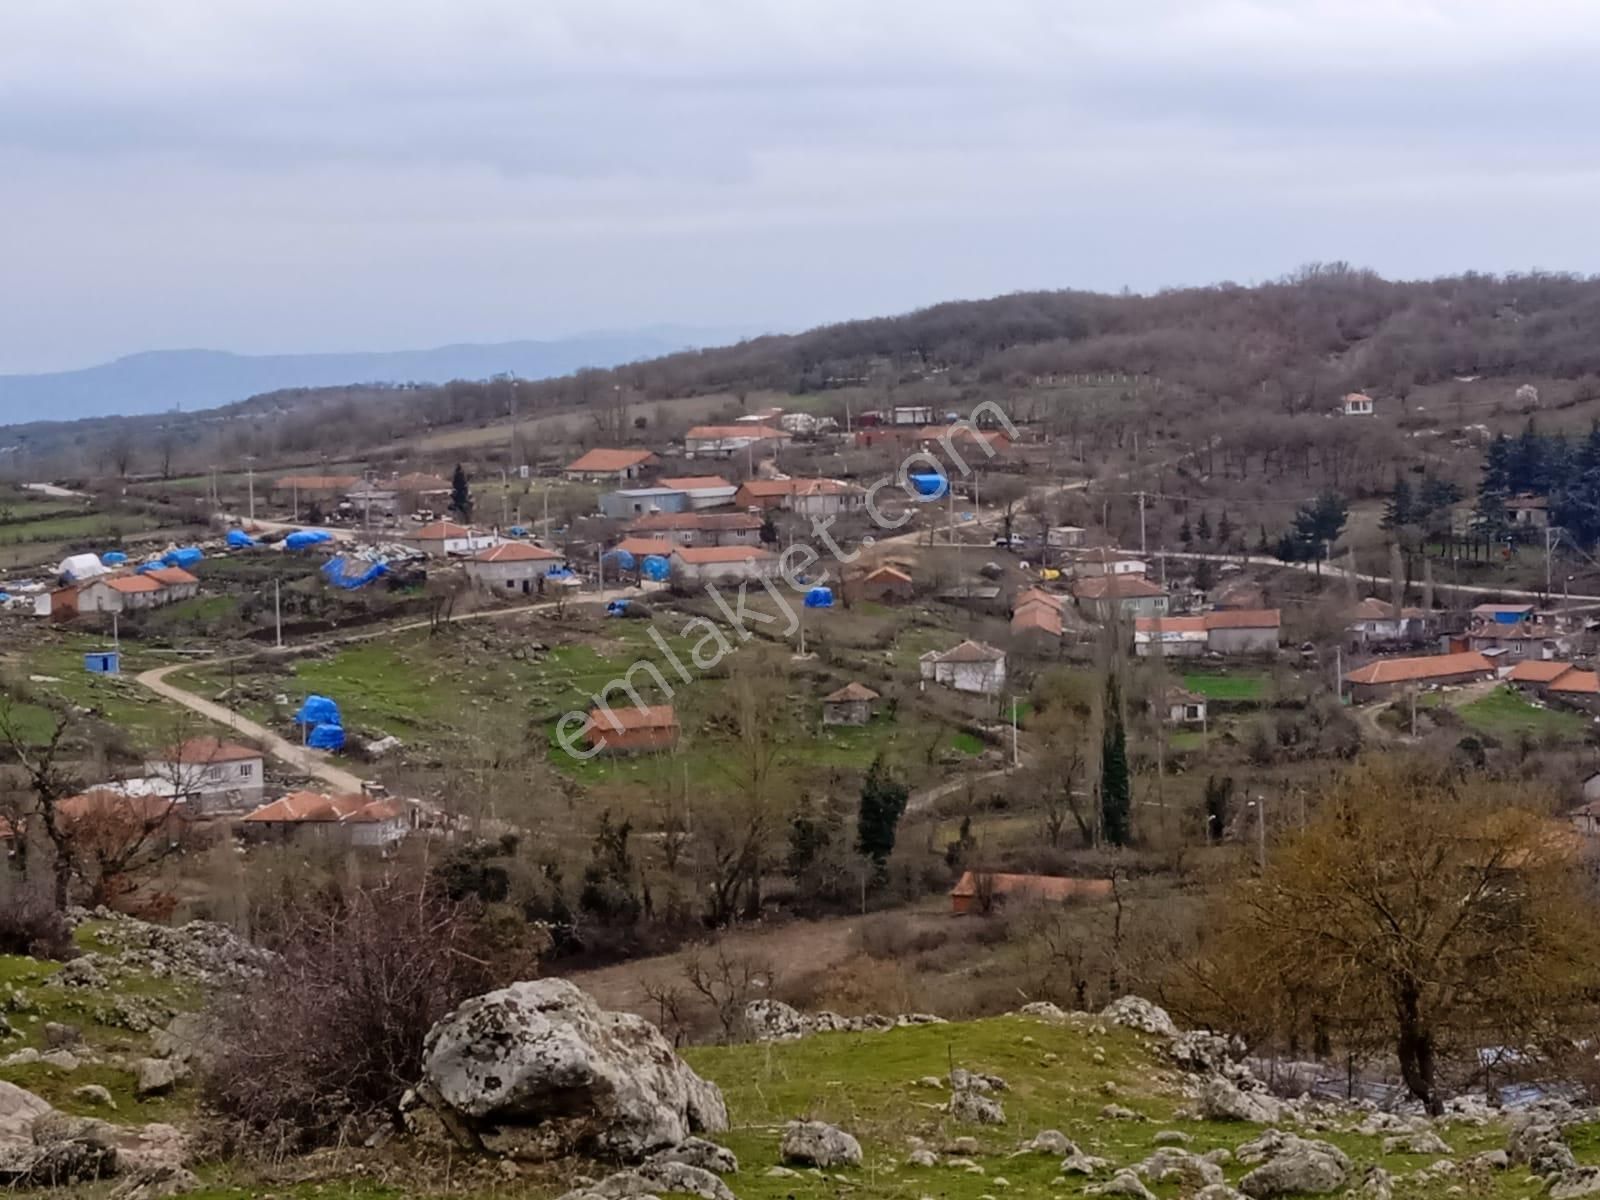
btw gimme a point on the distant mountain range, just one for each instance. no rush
(161, 380)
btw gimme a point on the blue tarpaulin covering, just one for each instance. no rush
(301, 538)
(5, 597)
(930, 485)
(819, 597)
(620, 558)
(1508, 618)
(185, 556)
(113, 558)
(656, 568)
(559, 573)
(318, 710)
(518, 531)
(239, 539)
(326, 737)
(617, 607)
(337, 572)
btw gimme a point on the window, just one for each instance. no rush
(511, 583)
(213, 773)
(246, 770)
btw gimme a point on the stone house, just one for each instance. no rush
(850, 705)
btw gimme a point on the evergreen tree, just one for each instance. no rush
(1202, 529)
(1318, 525)
(1225, 531)
(769, 529)
(1435, 499)
(460, 494)
(1185, 534)
(1399, 510)
(1497, 467)
(1116, 795)
(883, 802)
(1218, 793)
(1205, 574)
(1264, 544)
(1490, 519)
(808, 838)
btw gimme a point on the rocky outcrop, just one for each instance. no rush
(775, 1021)
(156, 1183)
(40, 1147)
(1223, 1100)
(817, 1144)
(697, 1152)
(202, 951)
(539, 1070)
(1172, 1165)
(1294, 1166)
(651, 1178)
(971, 1105)
(1135, 1012)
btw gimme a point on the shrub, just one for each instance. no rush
(329, 1040)
(30, 924)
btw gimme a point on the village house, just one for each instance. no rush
(850, 705)
(1375, 620)
(1093, 562)
(1177, 637)
(632, 730)
(984, 891)
(512, 567)
(350, 819)
(1389, 677)
(1037, 613)
(699, 529)
(963, 439)
(701, 491)
(125, 593)
(635, 502)
(1509, 633)
(1357, 404)
(612, 466)
(807, 497)
(885, 584)
(440, 539)
(646, 547)
(715, 564)
(911, 414)
(1126, 595)
(1064, 537)
(1528, 512)
(1557, 681)
(1586, 817)
(211, 775)
(397, 494)
(724, 441)
(970, 667)
(1242, 631)
(1184, 707)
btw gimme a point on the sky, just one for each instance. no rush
(302, 175)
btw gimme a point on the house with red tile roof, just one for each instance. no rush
(211, 775)
(349, 818)
(983, 891)
(715, 564)
(512, 568)
(612, 466)
(849, 705)
(698, 528)
(632, 730)
(724, 441)
(969, 667)
(1388, 677)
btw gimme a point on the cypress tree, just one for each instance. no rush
(883, 802)
(460, 494)
(1116, 798)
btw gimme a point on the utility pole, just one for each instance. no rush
(1551, 535)
(1261, 831)
(1141, 521)
(547, 515)
(277, 609)
(1338, 672)
(250, 474)
(116, 637)
(1016, 755)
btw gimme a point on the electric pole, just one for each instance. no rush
(1141, 523)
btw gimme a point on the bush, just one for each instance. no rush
(30, 924)
(328, 1042)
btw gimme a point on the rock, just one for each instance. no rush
(1551, 1159)
(1529, 1134)
(1138, 1013)
(960, 1145)
(1116, 1112)
(1419, 1141)
(69, 1150)
(57, 1034)
(61, 1060)
(1043, 1010)
(1123, 1183)
(156, 1183)
(93, 1093)
(922, 1158)
(1577, 1181)
(1376, 1184)
(1491, 1160)
(150, 1147)
(817, 1144)
(539, 1069)
(156, 1076)
(932, 1082)
(1079, 1163)
(1262, 1147)
(19, 1108)
(976, 1108)
(1202, 1052)
(1049, 1141)
(651, 1178)
(962, 1079)
(25, 1057)
(1222, 1156)
(781, 1173)
(774, 1021)
(1171, 1165)
(697, 1152)
(1218, 1191)
(1222, 1100)
(1172, 1137)
(1300, 1165)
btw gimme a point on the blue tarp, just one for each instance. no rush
(930, 485)
(301, 538)
(559, 573)
(1508, 618)
(621, 558)
(337, 572)
(185, 556)
(656, 569)
(239, 539)
(617, 607)
(5, 597)
(819, 597)
(113, 558)
(326, 737)
(518, 531)
(318, 710)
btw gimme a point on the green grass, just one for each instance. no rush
(1240, 687)
(1505, 712)
(76, 528)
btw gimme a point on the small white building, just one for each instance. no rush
(911, 414)
(210, 775)
(970, 667)
(439, 539)
(1064, 537)
(724, 441)
(511, 567)
(1184, 707)
(702, 491)
(715, 564)
(1357, 404)
(119, 594)
(350, 819)
(1091, 564)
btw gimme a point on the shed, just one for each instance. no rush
(632, 730)
(980, 891)
(850, 705)
(103, 662)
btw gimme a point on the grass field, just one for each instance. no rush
(1505, 712)
(1239, 686)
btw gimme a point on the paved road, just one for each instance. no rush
(301, 758)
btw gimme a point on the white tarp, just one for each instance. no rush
(78, 567)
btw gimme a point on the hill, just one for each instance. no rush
(160, 381)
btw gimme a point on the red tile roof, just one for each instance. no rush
(171, 576)
(441, 530)
(1045, 887)
(970, 652)
(131, 584)
(694, 483)
(208, 750)
(1576, 682)
(696, 555)
(1115, 587)
(1243, 618)
(611, 460)
(641, 547)
(850, 691)
(1037, 614)
(651, 716)
(314, 807)
(1536, 671)
(1436, 666)
(515, 552)
(891, 573)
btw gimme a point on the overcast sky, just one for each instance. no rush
(289, 175)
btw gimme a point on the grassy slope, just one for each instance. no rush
(1506, 712)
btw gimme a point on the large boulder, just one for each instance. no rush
(1299, 1166)
(1223, 1100)
(973, 1106)
(1138, 1013)
(775, 1021)
(817, 1144)
(539, 1070)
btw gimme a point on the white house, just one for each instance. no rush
(1357, 404)
(119, 594)
(352, 819)
(1064, 537)
(724, 441)
(1091, 564)
(1184, 707)
(441, 538)
(969, 667)
(210, 775)
(701, 491)
(911, 414)
(511, 567)
(714, 564)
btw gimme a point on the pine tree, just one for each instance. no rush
(769, 530)
(1116, 797)
(1399, 509)
(883, 802)
(1318, 524)
(460, 494)
(1185, 534)
(1224, 530)
(1202, 529)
